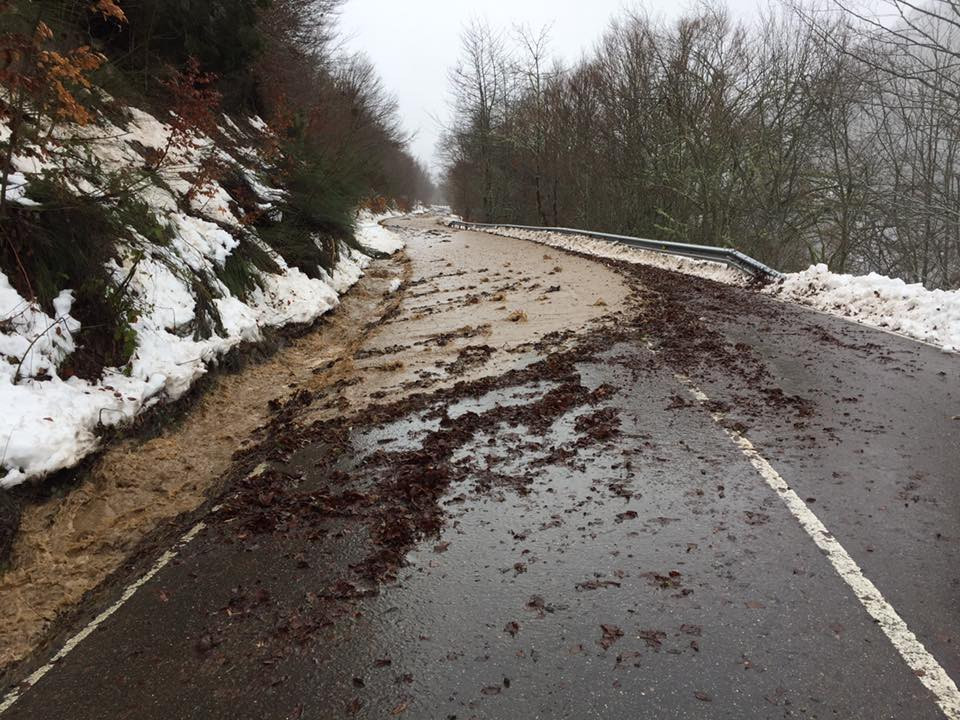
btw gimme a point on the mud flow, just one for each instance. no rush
(68, 544)
(452, 319)
(504, 503)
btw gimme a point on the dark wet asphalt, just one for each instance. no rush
(726, 607)
(880, 455)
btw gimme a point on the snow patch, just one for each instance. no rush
(879, 301)
(49, 422)
(16, 191)
(375, 236)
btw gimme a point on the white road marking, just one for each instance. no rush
(73, 642)
(923, 664)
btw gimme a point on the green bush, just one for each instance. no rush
(243, 271)
(318, 213)
(66, 242)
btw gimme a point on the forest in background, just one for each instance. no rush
(816, 134)
(275, 58)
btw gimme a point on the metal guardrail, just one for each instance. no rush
(727, 256)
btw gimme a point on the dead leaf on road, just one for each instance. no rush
(597, 584)
(611, 633)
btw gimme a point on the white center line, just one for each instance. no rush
(923, 664)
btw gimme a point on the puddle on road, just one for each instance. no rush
(404, 434)
(502, 397)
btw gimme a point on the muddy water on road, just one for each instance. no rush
(69, 544)
(470, 306)
(567, 536)
(477, 305)
(593, 549)
(646, 576)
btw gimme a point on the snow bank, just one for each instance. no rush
(49, 422)
(932, 316)
(617, 251)
(17, 189)
(876, 300)
(375, 236)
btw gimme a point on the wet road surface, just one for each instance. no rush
(570, 536)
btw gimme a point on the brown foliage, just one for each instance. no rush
(44, 77)
(109, 10)
(195, 103)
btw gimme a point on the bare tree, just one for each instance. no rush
(817, 134)
(480, 91)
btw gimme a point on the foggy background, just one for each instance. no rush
(414, 44)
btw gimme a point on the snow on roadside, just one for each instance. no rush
(878, 301)
(375, 236)
(617, 251)
(49, 422)
(932, 316)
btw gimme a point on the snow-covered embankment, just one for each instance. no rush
(49, 422)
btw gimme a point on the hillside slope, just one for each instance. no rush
(194, 263)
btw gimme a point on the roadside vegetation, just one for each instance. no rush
(814, 135)
(178, 182)
(331, 144)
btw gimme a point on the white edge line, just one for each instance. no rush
(71, 644)
(923, 664)
(11, 698)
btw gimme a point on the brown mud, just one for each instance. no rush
(452, 321)
(391, 472)
(70, 543)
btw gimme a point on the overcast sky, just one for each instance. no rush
(413, 43)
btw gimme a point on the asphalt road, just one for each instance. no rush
(574, 537)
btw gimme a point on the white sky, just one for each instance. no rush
(414, 43)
